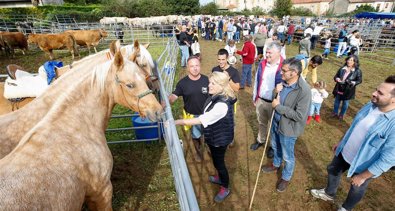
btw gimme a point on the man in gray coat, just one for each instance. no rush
(291, 107)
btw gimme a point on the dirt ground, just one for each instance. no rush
(313, 154)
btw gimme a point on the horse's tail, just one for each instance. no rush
(74, 42)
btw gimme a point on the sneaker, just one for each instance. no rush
(341, 209)
(242, 87)
(282, 185)
(320, 194)
(309, 118)
(214, 179)
(334, 115)
(341, 117)
(255, 146)
(317, 118)
(222, 194)
(269, 168)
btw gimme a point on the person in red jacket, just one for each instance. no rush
(248, 55)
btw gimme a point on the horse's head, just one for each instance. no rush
(131, 89)
(143, 59)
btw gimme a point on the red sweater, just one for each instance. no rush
(248, 53)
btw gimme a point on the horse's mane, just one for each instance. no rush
(143, 52)
(99, 75)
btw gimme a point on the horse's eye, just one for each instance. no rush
(130, 86)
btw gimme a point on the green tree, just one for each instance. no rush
(209, 9)
(364, 8)
(256, 11)
(301, 11)
(282, 8)
(183, 7)
(144, 8)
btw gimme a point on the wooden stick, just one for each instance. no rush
(263, 155)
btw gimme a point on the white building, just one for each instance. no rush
(344, 6)
(318, 7)
(239, 5)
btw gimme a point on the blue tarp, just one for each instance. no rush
(376, 15)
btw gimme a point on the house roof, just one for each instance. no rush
(308, 1)
(368, 1)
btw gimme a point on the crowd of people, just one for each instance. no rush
(286, 100)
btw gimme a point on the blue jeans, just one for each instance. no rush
(237, 36)
(315, 109)
(220, 33)
(283, 148)
(326, 52)
(337, 105)
(184, 54)
(335, 170)
(280, 36)
(196, 130)
(246, 75)
(289, 38)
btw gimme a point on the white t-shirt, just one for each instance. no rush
(231, 50)
(268, 83)
(357, 137)
(216, 113)
(317, 96)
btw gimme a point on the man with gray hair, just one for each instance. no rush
(267, 76)
(291, 106)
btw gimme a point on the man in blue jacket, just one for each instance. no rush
(367, 149)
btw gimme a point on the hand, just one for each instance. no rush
(178, 122)
(338, 80)
(276, 102)
(279, 87)
(357, 180)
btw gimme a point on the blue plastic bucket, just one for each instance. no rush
(145, 133)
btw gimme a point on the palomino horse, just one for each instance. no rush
(136, 52)
(14, 125)
(64, 159)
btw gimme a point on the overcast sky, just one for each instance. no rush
(203, 2)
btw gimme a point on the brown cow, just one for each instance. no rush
(88, 38)
(49, 42)
(11, 40)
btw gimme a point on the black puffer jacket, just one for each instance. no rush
(221, 133)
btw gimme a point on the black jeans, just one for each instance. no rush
(335, 170)
(218, 157)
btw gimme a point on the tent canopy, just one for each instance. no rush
(376, 15)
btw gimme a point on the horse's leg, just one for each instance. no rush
(101, 200)
(95, 49)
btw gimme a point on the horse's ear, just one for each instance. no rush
(136, 44)
(133, 56)
(146, 45)
(118, 60)
(115, 46)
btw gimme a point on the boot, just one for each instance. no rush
(198, 148)
(309, 118)
(317, 118)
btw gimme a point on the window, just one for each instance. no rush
(378, 7)
(386, 5)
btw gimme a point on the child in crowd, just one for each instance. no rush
(327, 47)
(318, 93)
(231, 48)
(195, 47)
